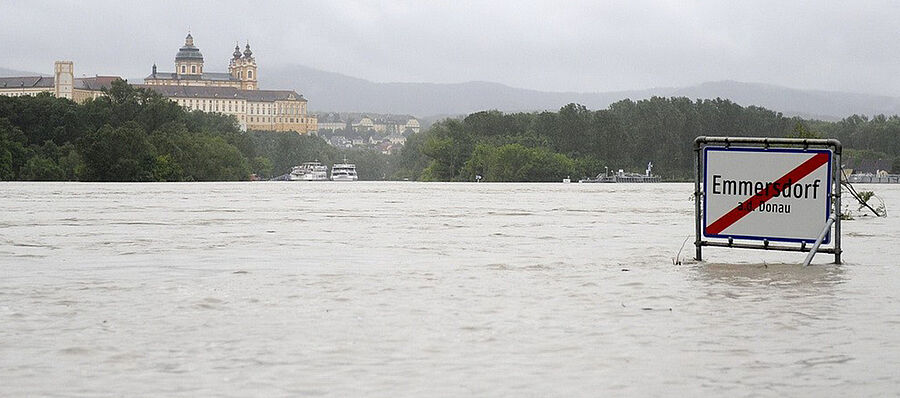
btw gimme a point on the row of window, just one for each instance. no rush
(256, 119)
(19, 94)
(276, 110)
(233, 106)
(193, 69)
(212, 105)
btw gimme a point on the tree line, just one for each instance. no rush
(577, 142)
(134, 134)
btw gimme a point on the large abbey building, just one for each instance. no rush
(189, 70)
(234, 93)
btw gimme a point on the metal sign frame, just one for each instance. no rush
(773, 144)
(826, 204)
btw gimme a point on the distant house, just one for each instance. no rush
(340, 142)
(869, 166)
(396, 138)
(364, 124)
(356, 139)
(363, 130)
(386, 147)
(331, 122)
(384, 124)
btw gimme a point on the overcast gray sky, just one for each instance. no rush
(544, 45)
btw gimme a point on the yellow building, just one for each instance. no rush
(233, 93)
(63, 84)
(270, 110)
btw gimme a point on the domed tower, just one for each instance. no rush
(234, 65)
(189, 60)
(243, 68)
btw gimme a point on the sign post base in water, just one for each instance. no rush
(815, 248)
(769, 190)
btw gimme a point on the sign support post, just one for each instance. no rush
(698, 196)
(837, 203)
(815, 248)
(792, 193)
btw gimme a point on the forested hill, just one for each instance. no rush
(329, 91)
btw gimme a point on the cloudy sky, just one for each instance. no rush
(545, 45)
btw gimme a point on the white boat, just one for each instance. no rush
(309, 171)
(344, 172)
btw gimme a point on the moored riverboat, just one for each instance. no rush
(344, 172)
(622, 177)
(309, 171)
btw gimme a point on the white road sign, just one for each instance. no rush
(772, 194)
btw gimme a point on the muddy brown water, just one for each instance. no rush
(426, 289)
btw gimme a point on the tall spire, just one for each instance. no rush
(247, 52)
(237, 51)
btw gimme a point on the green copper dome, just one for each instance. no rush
(189, 52)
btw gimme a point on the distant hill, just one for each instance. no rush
(828, 105)
(15, 73)
(335, 92)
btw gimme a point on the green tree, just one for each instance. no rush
(166, 168)
(70, 163)
(261, 166)
(801, 131)
(210, 158)
(516, 163)
(118, 154)
(449, 145)
(42, 168)
(13, 153)
(286, 150)
(411, 160)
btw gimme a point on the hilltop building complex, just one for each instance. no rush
(235, 92)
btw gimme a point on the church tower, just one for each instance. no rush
(189, 60)
(243, 68)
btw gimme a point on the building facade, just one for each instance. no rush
(386, 125)
(233, 93)
(63, 84)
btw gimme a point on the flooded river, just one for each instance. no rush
(416, 289)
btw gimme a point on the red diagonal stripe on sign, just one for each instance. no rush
(755, 201)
